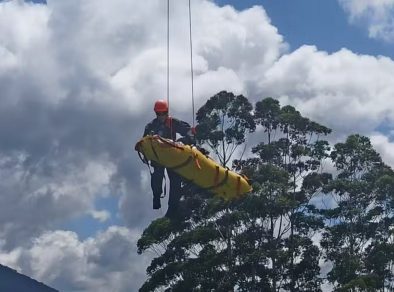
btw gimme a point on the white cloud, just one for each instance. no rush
(348, 92)
(9, 60)
(108, 262)
(34, 197)
(100, 215)
(377, 16)
(384, 146)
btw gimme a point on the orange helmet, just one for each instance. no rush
(161, 106)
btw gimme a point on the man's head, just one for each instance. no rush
(161, 109)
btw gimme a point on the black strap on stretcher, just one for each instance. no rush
(183, 164)
(219, 184)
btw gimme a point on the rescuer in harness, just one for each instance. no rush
(167, 127)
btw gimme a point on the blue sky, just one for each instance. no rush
(79, 79)
(320, 23)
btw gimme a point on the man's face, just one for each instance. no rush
(162, 116)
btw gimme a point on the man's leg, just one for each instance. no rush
(175, 193)
(157, 185)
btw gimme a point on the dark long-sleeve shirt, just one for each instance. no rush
(167, 129)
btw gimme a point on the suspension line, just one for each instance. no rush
(168, 53)
(191, 58)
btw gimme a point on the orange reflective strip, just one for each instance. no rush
(196, 161)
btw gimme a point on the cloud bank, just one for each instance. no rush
(78, 81)
(103, 263)
(376, 16)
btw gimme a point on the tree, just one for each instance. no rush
(223, 123)
(357, 239)
(278, 214)
(197, 254)
(263, 242)
(379, 258)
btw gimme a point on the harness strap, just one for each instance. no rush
(224, 180)
(168, 123)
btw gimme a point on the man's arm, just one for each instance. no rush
(185, 130)
(181, 127)
(148, 129)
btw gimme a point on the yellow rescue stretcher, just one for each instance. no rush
(194, 166)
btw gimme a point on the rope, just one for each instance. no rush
(168, 53)
(191, 57)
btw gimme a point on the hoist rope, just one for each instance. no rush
(191, 57)
(168, 53)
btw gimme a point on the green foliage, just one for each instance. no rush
(359, 230)
(263, 242)
(223, 122)
(355, 156)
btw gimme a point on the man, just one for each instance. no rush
(166, 127)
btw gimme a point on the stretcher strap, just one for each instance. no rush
(186, 162)
(224, 180)
(246, 178)
(238, 185)
(196, 161)
(216, 179)
(142, 157)
(195, 156)
(141, 154)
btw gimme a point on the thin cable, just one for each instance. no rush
(168, 64)
(168, 53)
(191, 57)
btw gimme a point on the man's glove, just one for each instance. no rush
(189, 140)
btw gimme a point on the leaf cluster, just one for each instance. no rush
(268, 240)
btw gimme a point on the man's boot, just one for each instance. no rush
(156, 202)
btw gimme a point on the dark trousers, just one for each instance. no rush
(175, 186)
